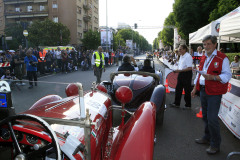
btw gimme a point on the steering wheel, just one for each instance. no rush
(19, 152)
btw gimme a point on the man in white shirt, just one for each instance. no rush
(106, 57)
(184, 80)
(235, 63)
(59, 58)
(199, 49)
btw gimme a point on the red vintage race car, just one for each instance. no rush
(145, 87)
(80, 126)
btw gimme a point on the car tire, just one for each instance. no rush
(160, 114)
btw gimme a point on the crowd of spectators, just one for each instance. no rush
(52, 61)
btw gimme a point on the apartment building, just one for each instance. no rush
(78, 15)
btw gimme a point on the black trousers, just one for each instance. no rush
(106, 61)
(184, 81)
(42, 67)
(32, 75)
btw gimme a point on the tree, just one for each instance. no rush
(191, 15)
(155, 43)
(48, 33)
(128, 34)
(14, 30)
(118, 41)
(91, 39)
(223, 7)
(167, 32)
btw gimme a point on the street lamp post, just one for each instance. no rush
(25, 33)
(106, 28)
(132, 39)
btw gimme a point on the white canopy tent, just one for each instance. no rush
(211, 29)
(230, 29)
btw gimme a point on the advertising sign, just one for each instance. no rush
(106, 37)
(229, 111)
(129, 44)
(171, 77)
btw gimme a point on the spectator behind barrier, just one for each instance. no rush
(236, 62)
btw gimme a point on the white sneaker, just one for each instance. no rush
(23, 84)
(18, 84)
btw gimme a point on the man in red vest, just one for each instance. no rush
(212, 82)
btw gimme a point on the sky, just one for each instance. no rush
(143, 12)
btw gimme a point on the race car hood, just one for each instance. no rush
(68, 108)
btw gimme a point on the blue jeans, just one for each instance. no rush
(210, 108)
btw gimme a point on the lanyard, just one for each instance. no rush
(205, 66)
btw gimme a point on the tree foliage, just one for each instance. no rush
(155, 43)
(168, 33)
(223, 7)
(48, 33)
(192, 14)
(91, 39)
(15, 31)
(127, 34)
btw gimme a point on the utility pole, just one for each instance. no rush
(106, 27)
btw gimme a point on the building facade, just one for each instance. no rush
(78, 15)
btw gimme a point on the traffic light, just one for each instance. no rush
(135, 25)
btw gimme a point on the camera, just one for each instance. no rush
(32, 64)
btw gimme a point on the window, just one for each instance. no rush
(79, 35)
(79, 22)
(0, 8)
(29, 8)
(54, 5)
(95, 19)
(55, 19)
(17, 9)
(42, 8)
(95, 9)
(79, 10)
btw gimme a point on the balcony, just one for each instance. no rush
(25, 14)
(23, 1)
(87, 18)
(86, 6)
(85, 30)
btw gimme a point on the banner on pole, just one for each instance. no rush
(106, 37)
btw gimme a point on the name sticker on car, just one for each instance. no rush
(96, 104)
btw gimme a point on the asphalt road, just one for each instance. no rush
(175, 139)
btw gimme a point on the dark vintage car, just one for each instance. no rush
(80, 126)
(149, 55)
(145, 87)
